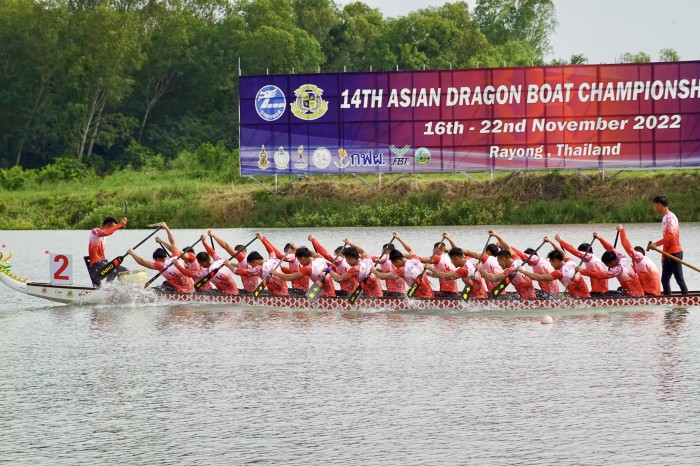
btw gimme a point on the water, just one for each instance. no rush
(202, 384)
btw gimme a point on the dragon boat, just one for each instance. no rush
(128, 288)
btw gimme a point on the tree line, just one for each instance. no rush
(116, 83)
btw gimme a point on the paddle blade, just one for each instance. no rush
(467, 291)
(113, 264)
(501, 286)
(204, 280)
(356, 294)
(416, 284)
(314, 291)
(259, 289)
(148, 283)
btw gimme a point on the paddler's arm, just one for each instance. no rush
(449, 239)
(559, 248)
(384, 275)
(171, 238)
(164, 244)
(626, 242)
(227, 247)
(339, 278)
(501, 242)
(183, 270)
(492, 277)
(439, 274)
(352, 245)
(290, 277)
(408, 248)
(607, 246)
(566, 246)
(141, 261)
(540, 277)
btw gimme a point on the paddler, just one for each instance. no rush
(409, 269)
(96, 248)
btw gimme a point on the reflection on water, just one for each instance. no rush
(223, 385)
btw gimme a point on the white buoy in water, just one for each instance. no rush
(547, 320)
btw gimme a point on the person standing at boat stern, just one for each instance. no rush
(671, 244)
(96, 248)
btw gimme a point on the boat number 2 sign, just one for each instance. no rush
(61, 269)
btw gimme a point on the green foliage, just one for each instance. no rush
(669, 55)
(63, 169)
(640, 57)
(15, 178)
(208, 161)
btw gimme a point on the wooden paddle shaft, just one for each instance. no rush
(654, 248)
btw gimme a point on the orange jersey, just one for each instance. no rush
(96, 245)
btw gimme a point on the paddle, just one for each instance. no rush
(213, 272)
(467, 291)
(116, 262)
(315, 289)
(590, 245)
(419, 278)
(617, 236)
(148, 283)
(652, 247)
(509, 278)
(361, 286)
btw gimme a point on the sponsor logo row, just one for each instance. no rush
(322, 158)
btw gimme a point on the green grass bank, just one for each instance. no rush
(330, 201)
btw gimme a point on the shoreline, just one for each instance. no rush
(333, 201)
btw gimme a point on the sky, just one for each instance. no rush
(602, 30)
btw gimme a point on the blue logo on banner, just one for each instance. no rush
(270, 103)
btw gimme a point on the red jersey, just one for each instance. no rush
(410, 271)
(315, 270)
(442, 263)
(250, 282)
(490, 264)
(275, 285)
(671, 241)
(523, 284)
(393, 285)
(592, 263)
(372, 287)
(568, 276)
(541, 267)
(479, 288)
(96, 245)
(172, 274)
(625, 274)
(223, 279)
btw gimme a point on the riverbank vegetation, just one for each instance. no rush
(203, 189)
